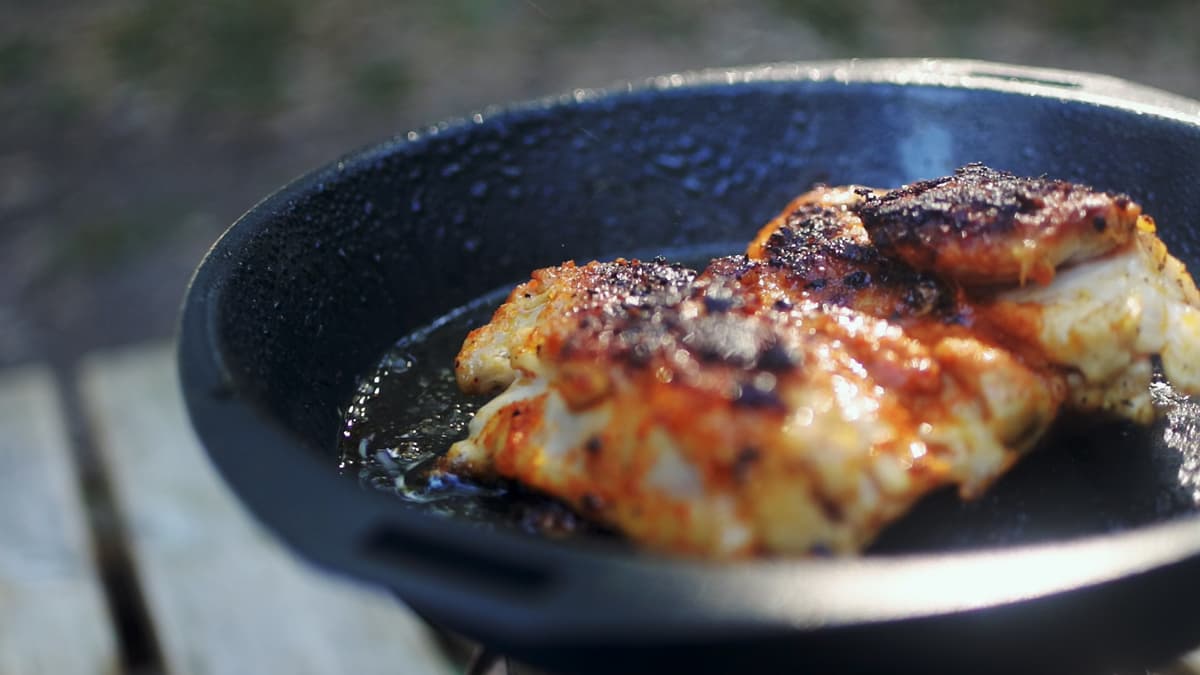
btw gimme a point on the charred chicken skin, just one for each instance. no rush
(800, 397)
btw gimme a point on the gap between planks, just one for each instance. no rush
(224, 597)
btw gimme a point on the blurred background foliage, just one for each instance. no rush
(136, 130)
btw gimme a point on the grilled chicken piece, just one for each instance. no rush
(799, 398)
(726, 426)
(1102, 322)
(1119, 299)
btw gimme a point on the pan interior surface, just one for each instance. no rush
(307, 292)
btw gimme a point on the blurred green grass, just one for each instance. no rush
(126, 120)
(223, 54)
(231, 58)
(19, 59)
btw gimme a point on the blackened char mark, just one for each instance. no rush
(836, 265)
(812, 237)
(646, 284)
(657, 312)
(974, 202)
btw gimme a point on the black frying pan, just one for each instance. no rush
(1082, 561)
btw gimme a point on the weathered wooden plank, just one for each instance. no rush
(223, 597)
(53, 617)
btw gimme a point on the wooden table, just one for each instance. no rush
(121, 551)
(195, 585)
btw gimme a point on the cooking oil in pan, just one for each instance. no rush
(409, 411)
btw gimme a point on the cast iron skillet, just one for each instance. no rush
(309, 288)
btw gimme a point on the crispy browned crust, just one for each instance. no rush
(712, 334)
(983, 226)
(822, 254)
(552, 303)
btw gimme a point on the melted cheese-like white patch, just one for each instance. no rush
(565, 430)
(1106, 317)
(467, 451)
(671, 472)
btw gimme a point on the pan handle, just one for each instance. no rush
(460, 565)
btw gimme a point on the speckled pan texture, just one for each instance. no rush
(306, 291)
